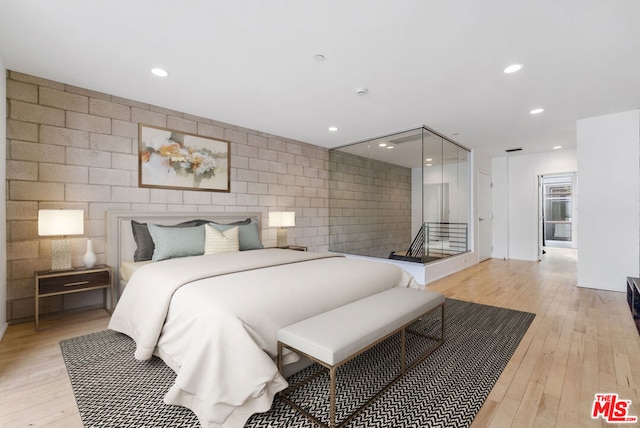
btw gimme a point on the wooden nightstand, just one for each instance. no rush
(53, 283)
(293, 247)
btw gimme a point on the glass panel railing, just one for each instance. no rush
(384, 192)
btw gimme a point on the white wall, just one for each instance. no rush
(456, 198)
(3, 199)
(416, 201)
(609, 191)
(459, 185)
(515, 199)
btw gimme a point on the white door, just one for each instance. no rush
(485, 247)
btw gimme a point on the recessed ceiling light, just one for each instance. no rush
(382, 144)
(557, 147)
(319, 57)
(390, 147)
(361, 91)
(428, 159)
(159, 72)
(333, 128)
(428, 164)
(513, 68)
(536, 111)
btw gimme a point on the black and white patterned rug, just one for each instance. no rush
(113, 389)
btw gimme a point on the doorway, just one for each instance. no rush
(557, 212)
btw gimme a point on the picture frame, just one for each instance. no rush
(171, 159)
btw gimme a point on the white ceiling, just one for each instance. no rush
(432, 62)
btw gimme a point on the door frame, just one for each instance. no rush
(574, 210)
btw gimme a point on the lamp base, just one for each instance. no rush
(282, 237)
(61, 254)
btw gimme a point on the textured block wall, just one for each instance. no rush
(69, 147)
(369, 206)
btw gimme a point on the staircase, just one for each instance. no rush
(434, 241)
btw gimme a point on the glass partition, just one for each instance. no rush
(403, 196)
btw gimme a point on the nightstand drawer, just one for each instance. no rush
(63, 284)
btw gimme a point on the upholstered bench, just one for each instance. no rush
(333, 338)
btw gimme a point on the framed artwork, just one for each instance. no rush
(177, 160)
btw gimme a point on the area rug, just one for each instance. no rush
(447, 389)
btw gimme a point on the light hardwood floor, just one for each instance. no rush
(581, 342)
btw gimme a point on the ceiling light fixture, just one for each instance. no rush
(382, 144)
(390, 147)
(159, 72)
(557, 147)
(319, 57)
(361, 91)
(428, 164)
(333, 128)
(428, 159)
(536, 111)
(513, 68)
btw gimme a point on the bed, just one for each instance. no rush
(213, 318)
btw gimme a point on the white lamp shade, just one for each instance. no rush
(282, 219)
(60, 222)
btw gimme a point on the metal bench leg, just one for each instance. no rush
(279, 362)
(403, 350)
(442, 323)
(332, 397)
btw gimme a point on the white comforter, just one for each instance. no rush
(214, 319)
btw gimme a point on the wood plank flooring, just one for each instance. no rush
(581, 342)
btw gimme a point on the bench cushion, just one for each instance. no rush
(333, 336)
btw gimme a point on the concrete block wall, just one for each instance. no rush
(69, 147)
(369, 206)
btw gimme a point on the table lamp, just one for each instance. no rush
(60, 223)
(282, 220)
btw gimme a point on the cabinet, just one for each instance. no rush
(633, 299)
(295, 247)
(53, 283)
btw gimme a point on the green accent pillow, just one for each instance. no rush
(144, 242)
(173, 242)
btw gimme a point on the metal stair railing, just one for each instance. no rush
(446, 239)
(416, 249)
(434, 241)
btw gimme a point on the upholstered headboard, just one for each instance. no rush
(121, 244)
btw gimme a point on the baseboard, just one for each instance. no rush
(449, 265)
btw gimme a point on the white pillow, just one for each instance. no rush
(217, 242)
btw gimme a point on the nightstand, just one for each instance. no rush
(52, 283)
(293, 247)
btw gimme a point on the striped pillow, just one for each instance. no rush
(217, 242)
